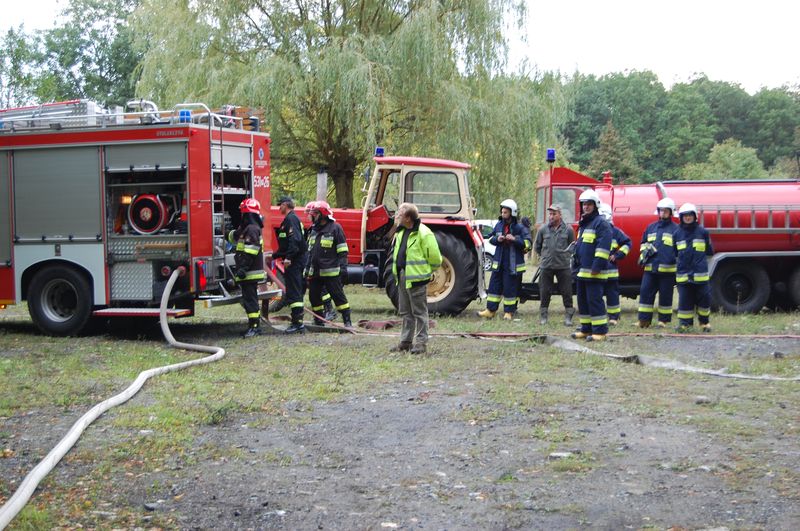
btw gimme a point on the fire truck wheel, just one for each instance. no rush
(488, 259)
(60, 300)
(794, 286)
(740, 287)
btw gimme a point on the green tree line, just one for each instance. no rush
(419, 77)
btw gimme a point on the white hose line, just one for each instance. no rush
(16, 503)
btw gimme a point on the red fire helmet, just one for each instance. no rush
(250, 205)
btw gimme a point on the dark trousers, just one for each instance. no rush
(611, 292)
(295, 289)
(250, 300)
(546, 286)
(662, 284)
(693, 298)
(333, 285)
(503, 286)
(591, 308)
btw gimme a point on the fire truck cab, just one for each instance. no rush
(99, 207)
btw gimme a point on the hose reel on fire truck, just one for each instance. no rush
(150, 213)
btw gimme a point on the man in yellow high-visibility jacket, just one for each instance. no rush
(416, 256)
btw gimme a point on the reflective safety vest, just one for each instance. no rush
(693, 244)
(249, 252)
(422, 255)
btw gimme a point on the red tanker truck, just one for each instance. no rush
(754, 226)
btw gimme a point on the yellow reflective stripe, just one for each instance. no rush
(341, 248)
(664, 310)
(329, 272)
(599, 321)
(701, 277)
(666, 239)
(681, 278)
(252, 249)
(510, 302)
(601, 253)
(588, 236)
(681, 245)
(296, 305)
(651, 236)
(281, 235)
(326, 297)
(345, 306)
(493, 298)
(522, 267)
(317, 308)
(704, 312)
(645, 309)
(699, 245)
(685, 315)
(587, 273)
(253, 315)
(625, 249)
(662, 268)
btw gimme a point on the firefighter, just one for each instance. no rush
(327, 263)
(590, 263)
(512, 241)
(330, 311)
(693, 244)
(620, 247)
(415, 256)
(657, 257)
(292, 248)
(249, 261)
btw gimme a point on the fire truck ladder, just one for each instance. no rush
(748, 219)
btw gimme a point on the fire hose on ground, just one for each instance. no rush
(24, 492)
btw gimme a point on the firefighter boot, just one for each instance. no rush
(508, 316)
(296, 327)
(580, 335)
(596, 337)
(330, 311)
(568, 313)
(253, 329)
(642, 324)
(319, 321)
(542, 316)
(486, 314)
(346, 319)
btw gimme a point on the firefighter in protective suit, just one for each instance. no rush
(327, 263)
(249, 261)
(512, 240)
(590, 263)
(292, 249)
(657, 256)
(330, 311)
(620, 247)
(693, 245)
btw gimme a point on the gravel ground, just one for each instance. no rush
(413, 455)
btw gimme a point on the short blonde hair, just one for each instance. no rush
(408, 209)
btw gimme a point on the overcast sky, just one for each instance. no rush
(750, 43)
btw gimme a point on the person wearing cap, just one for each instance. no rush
(415, 257)
(327, 263)
(511, 240)
(693, 245)
(292, 249)
(657, 257)
(553, 248)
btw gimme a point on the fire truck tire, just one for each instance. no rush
(794, 286)
(740, 287)
(60, 300)
(453, 286)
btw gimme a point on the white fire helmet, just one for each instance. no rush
(666, 203)
(687, 208)
(511, 205)
(605, 211)
(590, 195)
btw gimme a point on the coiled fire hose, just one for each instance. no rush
(18, 500)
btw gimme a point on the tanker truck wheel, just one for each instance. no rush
(794, 286)
(453, 286)
(60, 300)
(740, 287)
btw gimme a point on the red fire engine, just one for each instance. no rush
(754, 226)
(98, 208)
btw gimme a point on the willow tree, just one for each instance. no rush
(336, 78)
